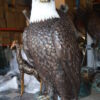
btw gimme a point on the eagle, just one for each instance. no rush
(50, 45)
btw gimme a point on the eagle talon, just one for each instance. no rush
(43, 97)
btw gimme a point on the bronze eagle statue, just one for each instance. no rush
(50, 45)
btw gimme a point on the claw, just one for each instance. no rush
(13, 44)
(22, 83)
(43, 97)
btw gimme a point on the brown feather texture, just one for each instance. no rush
(54, 50)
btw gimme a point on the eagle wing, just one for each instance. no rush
(68, 52)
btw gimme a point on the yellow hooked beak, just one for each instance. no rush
(44, 1)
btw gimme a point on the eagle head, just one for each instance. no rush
(43, 10)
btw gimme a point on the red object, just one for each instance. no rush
(4, 45)
(11, 29)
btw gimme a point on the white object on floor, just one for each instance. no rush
(1, 78)
(24, 55)
(13, 63)
(9, 81)
(90, 56)
(59, 98)
(10, 84)
(31, 84)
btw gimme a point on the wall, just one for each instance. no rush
(11, 17)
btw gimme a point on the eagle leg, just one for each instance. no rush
(22, 82)
(25, 67)
(51, 92)
(41, 86)
(48, 93)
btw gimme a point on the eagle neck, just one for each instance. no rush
(43, 11)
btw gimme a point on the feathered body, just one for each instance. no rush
(53, 47)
